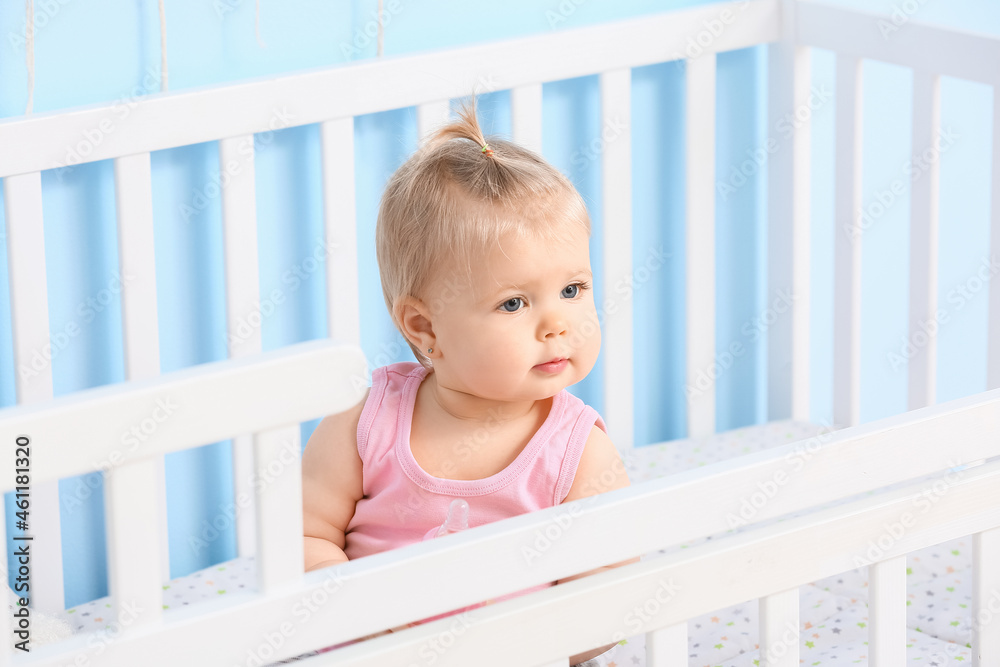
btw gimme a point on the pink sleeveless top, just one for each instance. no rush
(402, 502)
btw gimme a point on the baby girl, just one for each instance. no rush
(483, 252)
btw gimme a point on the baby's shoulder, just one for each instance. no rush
(332, 475)
(600, 467)
(335, 438)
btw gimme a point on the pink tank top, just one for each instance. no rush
(402, 502)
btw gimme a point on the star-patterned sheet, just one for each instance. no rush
(833, 611)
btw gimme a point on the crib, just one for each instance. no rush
(778, 518)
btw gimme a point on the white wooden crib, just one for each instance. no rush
(292, 613)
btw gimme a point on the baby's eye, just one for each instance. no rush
(573, 290)
(511, 305)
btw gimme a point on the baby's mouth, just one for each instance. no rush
(553, 366)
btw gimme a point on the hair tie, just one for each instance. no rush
(487, 150)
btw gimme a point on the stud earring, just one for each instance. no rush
(429, 350)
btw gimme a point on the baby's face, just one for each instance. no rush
(530, 302)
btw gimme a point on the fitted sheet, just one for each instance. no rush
(833, 611)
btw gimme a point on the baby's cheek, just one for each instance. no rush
(587, 331)
(500, 363)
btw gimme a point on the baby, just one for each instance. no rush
(483, 252)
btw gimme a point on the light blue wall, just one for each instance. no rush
(100, 52)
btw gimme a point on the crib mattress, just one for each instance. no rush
(833, 611)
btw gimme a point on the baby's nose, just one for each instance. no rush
(555, 324)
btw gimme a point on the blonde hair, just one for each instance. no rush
(456, 197)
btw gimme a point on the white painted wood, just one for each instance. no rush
(780, 634)
(245, 395)
(278, 466)
(993, 354)
(666, 647)
(986, 598)
(430, 116)
(244, 313)
(244, 318)
(29, 310)
(966, 55)
(616, 187)
(788, 155)
(340, 246)
(134, 538)
(134, 573)
(137, 263)
(526, 115)
(924, 198)
(887, 611)
(848, 238)
(702, 370)
(189, 117)
(779, 556)
(29, 304)
(246, 527)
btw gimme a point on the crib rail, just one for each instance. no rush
(209, 113)
(923, 47)
(715, 575)
(436, 576)
(185, 409)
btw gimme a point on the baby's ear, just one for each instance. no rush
(414, 316)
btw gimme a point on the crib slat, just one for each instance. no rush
(986, 598)
(993, 334)
(239, 224)
(887, 609)
(29, 309)
(130, 496)
(779, 629)
(847, 244)
(244, 315)
(340, 224)
(700, 197)
(924, 243)
(140, 328)
(616, 165)
(278, 467)
(526, 115)
(789, 70)
(430, 116)
(667, 647)
(137, 261)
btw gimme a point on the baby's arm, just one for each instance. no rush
(599, 456)
(331, 487)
